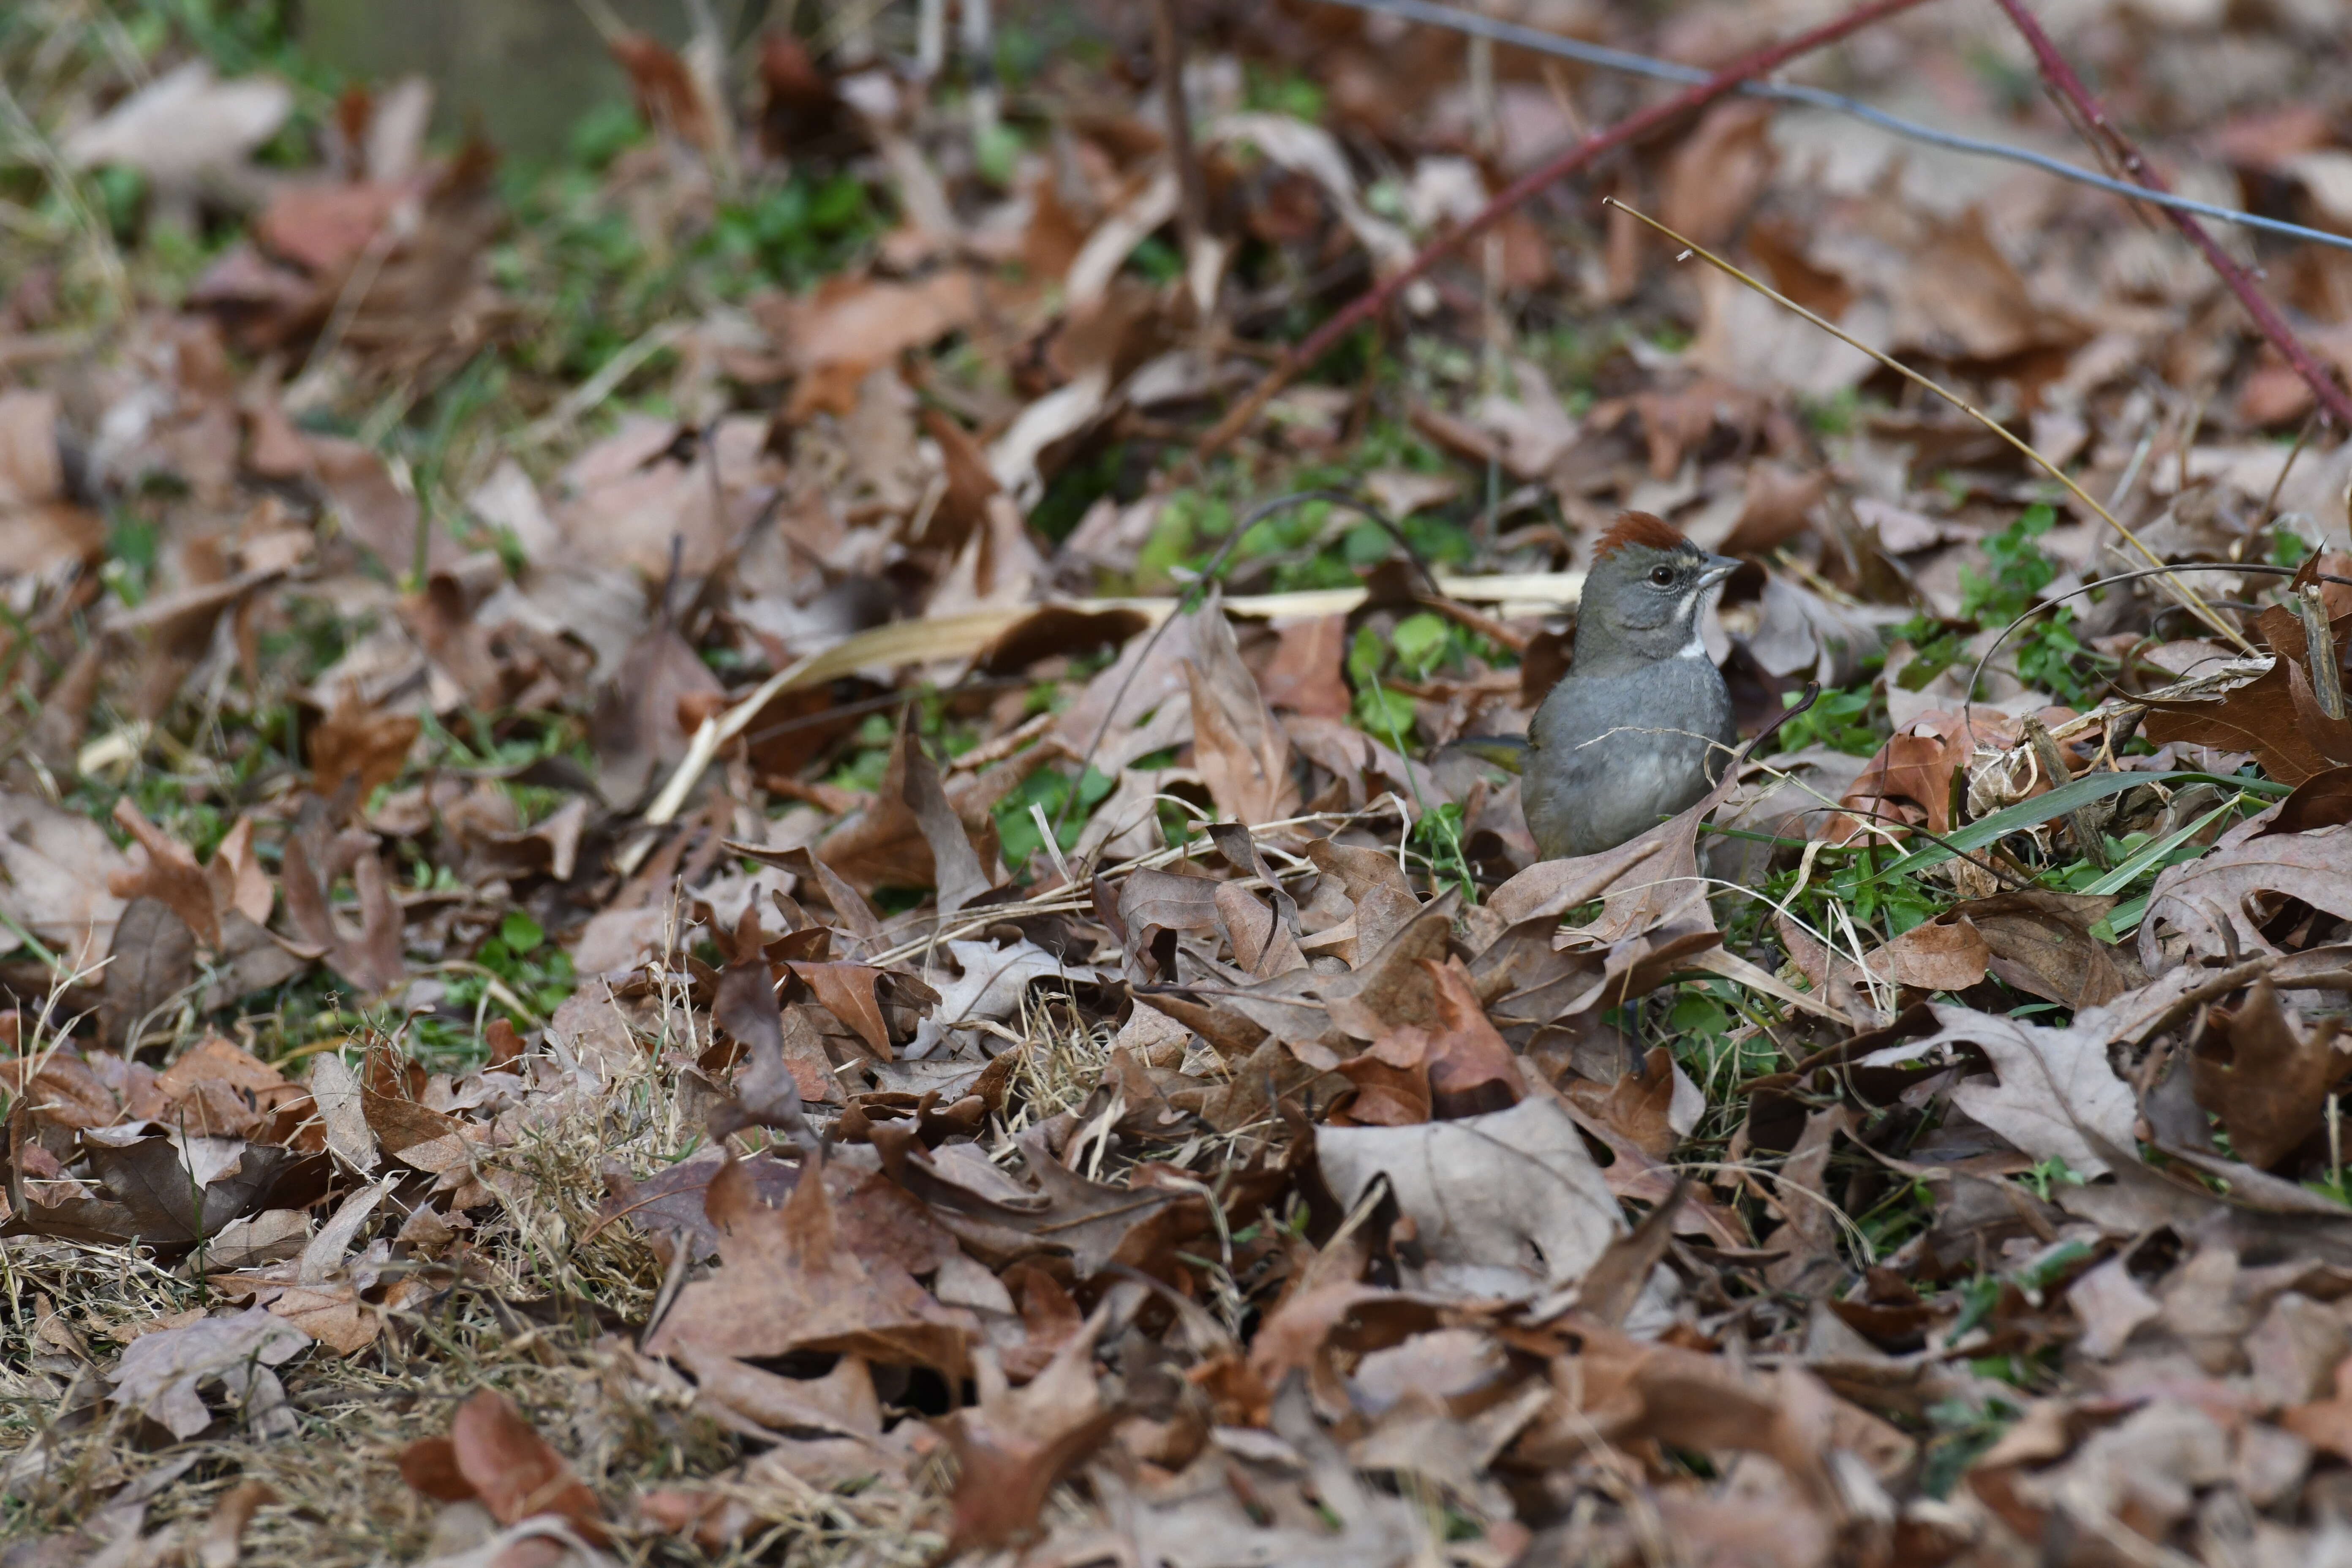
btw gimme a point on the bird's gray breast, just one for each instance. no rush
(1614, 754)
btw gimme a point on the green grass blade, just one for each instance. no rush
(2032, 812)
(2122, 921)
(2148, 855)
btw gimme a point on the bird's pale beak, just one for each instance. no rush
(1716, 569)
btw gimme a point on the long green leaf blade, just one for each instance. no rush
(2032, 812)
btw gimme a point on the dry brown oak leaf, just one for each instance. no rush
(790, 1282)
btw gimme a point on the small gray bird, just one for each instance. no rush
(1641, 726)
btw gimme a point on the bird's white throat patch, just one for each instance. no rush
(1694, 648)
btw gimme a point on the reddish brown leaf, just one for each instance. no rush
(495, 1452)
(1942, 954)
(323, 226)
(171, 875)
(787, 1283)
(370, 958)
(909, 835)
(1237, 744)
(429, 1466)
(238, 880)
(1637, 1106)
(2261, 716)
(667, 95)
(766, 1093)
(2323, 800)
(2267, 1074)
(1391, 1080)
(357, 742)
(1015, 1446)
(1305, 673)
(1463, 1065)
(848, 992)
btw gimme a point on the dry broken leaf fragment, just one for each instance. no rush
(786, 1283)
(1389, 986)
(2267, 1074)
(2218, 906)
(855, 994)
(1101, 1224)
(1646, 884)
(840, 1404)
(355, 742)
(2040, 942)
(1652, 1108)
(1941, 954)
(1392, 1083)
(371, 958)
(910, 835)
(1911, 778)
(494, 1454)
(767, 1093)
(672, 1206)
(861, 321)
(1469, 1070)
(2057, 1094)
(1015, 1445)
(217, 1088)
(1238, 745)
(169, 875)
(999, 1220)
(2036, 941)
(160, 1375)
(1624, 1390)
(324, 226)
(1503, 1205)
(2274, 715)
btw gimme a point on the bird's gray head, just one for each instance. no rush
(1641, 599)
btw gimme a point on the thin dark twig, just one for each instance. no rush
(2066, 84)
(1520, 36)
(1633, 128)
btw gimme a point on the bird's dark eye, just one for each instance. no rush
(1664, 576)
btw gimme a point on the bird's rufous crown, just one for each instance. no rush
(1638, 528)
